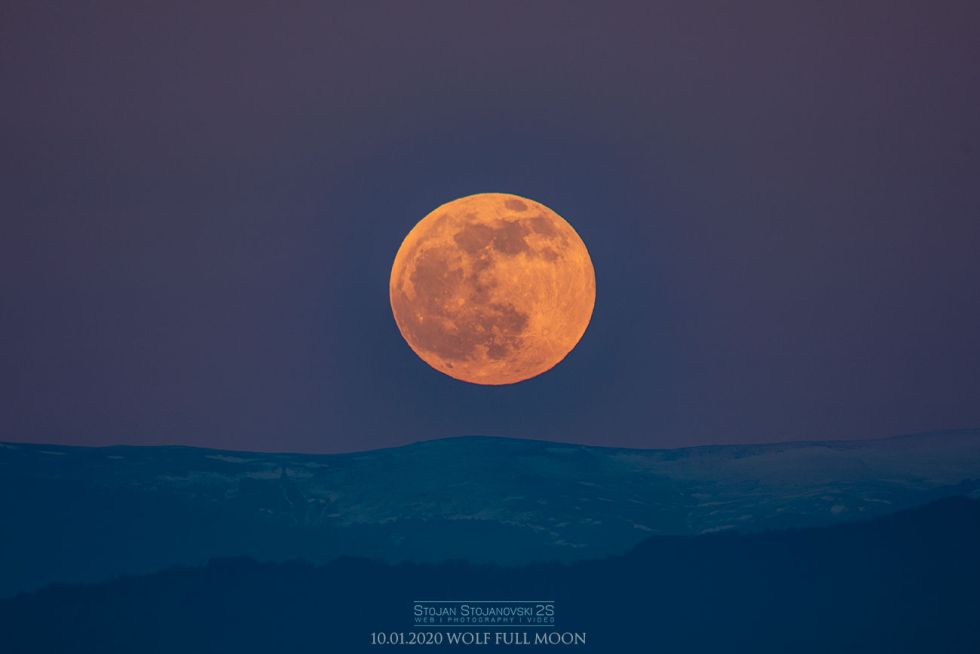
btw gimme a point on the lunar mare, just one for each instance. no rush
(492, 288)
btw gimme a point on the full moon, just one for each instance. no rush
(492, 288)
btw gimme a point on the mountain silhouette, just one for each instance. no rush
(906, 582)
(88, 514)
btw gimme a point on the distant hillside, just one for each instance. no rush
(77, 514)
(902, 583)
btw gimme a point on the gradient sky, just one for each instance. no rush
(201, 203)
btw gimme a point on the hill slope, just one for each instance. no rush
(91, 513)
(901, 583)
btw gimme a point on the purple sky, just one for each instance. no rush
(201, 204)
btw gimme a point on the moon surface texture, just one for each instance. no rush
(492, 288)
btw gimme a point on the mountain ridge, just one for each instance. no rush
(965, 431)
(904, 582)
(77, 513)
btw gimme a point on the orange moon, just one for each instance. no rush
(492, 288)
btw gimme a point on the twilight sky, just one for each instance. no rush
(201, 202)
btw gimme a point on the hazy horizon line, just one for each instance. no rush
(959, 431)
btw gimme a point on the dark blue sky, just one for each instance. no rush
(201, 204)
